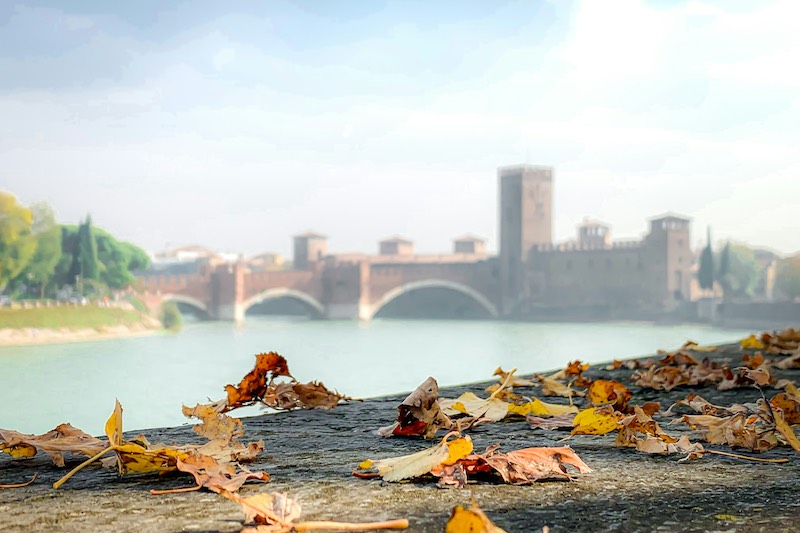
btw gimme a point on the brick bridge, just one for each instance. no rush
(331, 288)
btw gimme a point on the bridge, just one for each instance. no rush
(331, 288)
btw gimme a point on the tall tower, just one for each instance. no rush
(309, 248)
(526, 202)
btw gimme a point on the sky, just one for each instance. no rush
(238, 124)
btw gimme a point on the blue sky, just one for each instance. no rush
(238, 124)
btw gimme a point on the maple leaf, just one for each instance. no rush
(528, 465)
(253, 385)
(595, 421)
(553, 422)
(606, 392)
(416, 464)
(216, 476)
(472, 520)
(419, 415)
(274, 512)
(63, 438)
(223, 432)
(293, 395)
(751, 343)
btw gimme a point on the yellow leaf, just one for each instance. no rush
(416, 464)
(786, 430)
(470, 404)
(114, 425)
(726, 517)
(751, 343)
(19, 450)
(365, 464)
(471, 520)
(458, 449)
(594, 422)
(540, 408)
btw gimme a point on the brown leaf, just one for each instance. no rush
(64, 438)
(793, 361)
(254, 385)
(532, 464)
(216, 476)
(606, 392)
(223, 432)
(419, 415)
(312, 395)
(554, 422)
(789, 406)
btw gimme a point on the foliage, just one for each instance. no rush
(138, 304)
(705, 274)
(46, 231)
(17, 243)
(738, 272)
(85, 265)
(171, 317)
(787, 277)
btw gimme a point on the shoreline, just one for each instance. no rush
(18, 337)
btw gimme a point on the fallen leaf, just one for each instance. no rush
(472, 520)
(533, 464)
(253, 385)
(595, 421)
(553, 422)
(751, 343)
(216, 476)
(416, 464)
(293, 395)
(274, 512)
(514, 380)
(471, 405)
(64, 438)
(223, 432)
(607, 392)
(540, 408)
(419, 415)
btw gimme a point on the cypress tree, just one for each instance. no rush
(84, 255)
(705, 275)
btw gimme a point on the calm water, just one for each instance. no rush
(43, 386)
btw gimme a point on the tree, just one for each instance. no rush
(705, 275)
(85, 264)
(119, 260)
(47, 233)
(17, 244)
(787, 277)
(738, 271)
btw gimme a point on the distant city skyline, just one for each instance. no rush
(238, 125)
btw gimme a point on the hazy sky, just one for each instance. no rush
(238, 124)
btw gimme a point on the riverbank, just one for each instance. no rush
(311, 454)
(49, 325)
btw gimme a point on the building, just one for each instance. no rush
(309, 249)
(592, 275)
(469, 244)
(395, 246)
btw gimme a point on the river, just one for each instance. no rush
(43, 386)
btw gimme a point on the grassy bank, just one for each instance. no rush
(87, 316)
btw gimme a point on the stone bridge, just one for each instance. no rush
(331, 288)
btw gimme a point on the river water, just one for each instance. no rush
(43, 386)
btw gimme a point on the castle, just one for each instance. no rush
(592, 274)
(531, 277)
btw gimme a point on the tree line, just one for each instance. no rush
(39, 257)
(736, 271)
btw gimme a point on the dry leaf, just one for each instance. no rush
(253, 386)
(606, 392)
(595, 421)
(532, 464)
(471, 405)
(553, 422)
(216, 476)
(419, 415)
(472, 520)
(514, 380)
(416, 464)
(277, 513)
(64, 438)
(751, 343)
(540, 408)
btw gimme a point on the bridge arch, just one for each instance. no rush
(434, 283)
(271, 294)
(188, 300)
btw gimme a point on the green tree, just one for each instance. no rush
(17, 243)
(705, 275)
(171, 317)
(47, 233)
(119, 260)
(85, 265)
(787, 276)
(738, 271)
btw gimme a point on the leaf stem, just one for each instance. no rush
(81, 466)
(20, 485)
(748, 458)
(504, 384)
(350, 526)
(156, 492)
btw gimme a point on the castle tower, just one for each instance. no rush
(668, 259)
(526, 201)
(309, 248)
